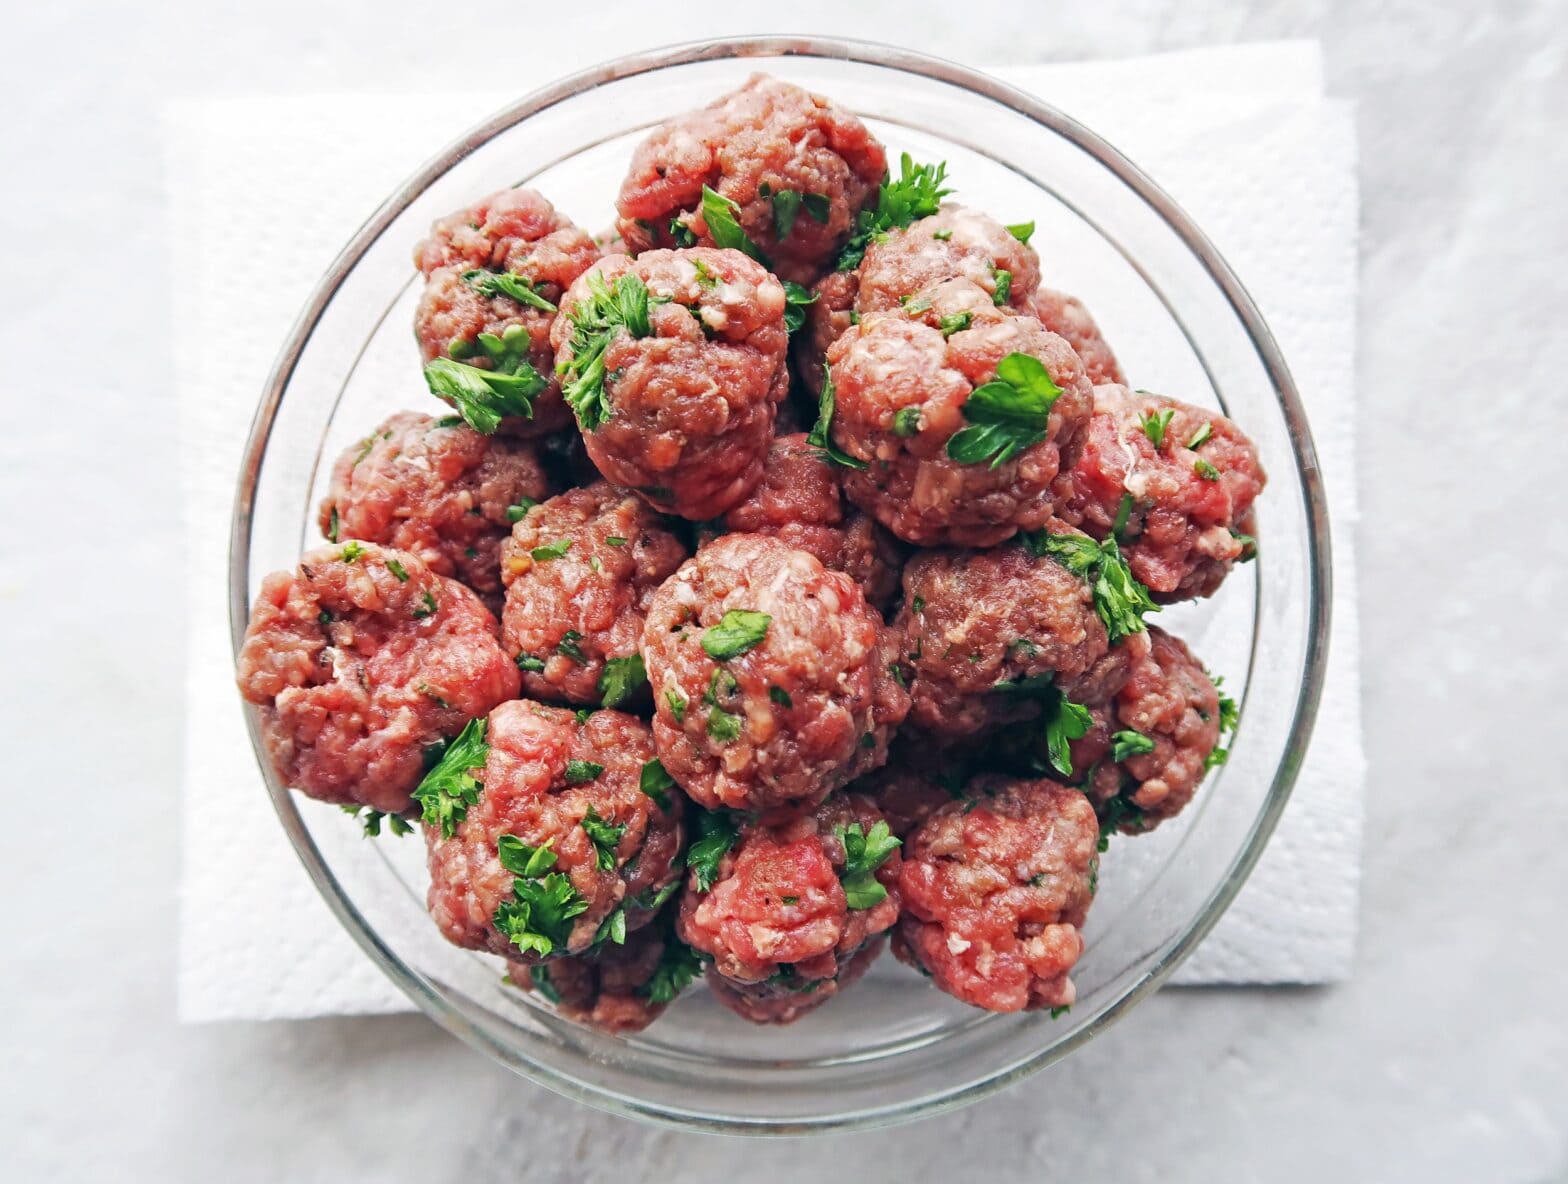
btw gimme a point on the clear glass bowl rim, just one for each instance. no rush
(908, 61)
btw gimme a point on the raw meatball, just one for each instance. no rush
(786, 997)
(776, 919)
(360, 660)
(799, 502)
(1170, 701)
(436, 488)
(677, 398)
(995, 891)
(753, 146)
(772, 677)
(544, 772)
(973, 620)
(954, 243)
(612, 989)
(901, 382)
(918, 778)
(517, 233)
(568, 613)
(1190, 508)
(1067, 317)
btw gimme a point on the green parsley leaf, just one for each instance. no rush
(607, 311)
(1249, 546)
(539, 976)
(916, 194)
(1123, 513)
(551, 550)
(567, 647)
(1201, 436)
(621, 679)
(371, 820)
(519, 510)
(677, 968)
(1058, 1012)
(614, 540)
(428, 605)
(906, 421)
(651, 901)
(481, 396)
(1065, 721)
(955, 322)
(677, 705)
(490, 283)
(1154, 424)
(1127, 743)
(520, 859)
(943, 235)
(863, 853)
(605, 835)
(351, 551)
(1205, 470)
(682, 234)
(1120, 813)
(1022, 231)
(538, 917)
(1006, 415)
(656, 783)
(780, 696)
(738, 631)
(332, 526)
(796, 300)
(529, 663)
(1004, 286)
(1119, 599)
(722, 725)
(821, 436)
(398, 570)
(819, 207)
(722, 216)
(612, 928)
(716, 834)
(578, 771)
(1028, 685)
(786, 208)
(451, 787)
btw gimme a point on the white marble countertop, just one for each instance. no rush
(1443, 1059)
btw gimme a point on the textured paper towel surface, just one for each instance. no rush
(265, 191)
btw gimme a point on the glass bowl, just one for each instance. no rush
(892, 1047)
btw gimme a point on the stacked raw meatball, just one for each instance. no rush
(677, 690)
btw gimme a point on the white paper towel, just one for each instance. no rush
(1241, 137)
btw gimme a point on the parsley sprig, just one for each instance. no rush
(1006, 415)
(716, 834)
(371, 821)
(1120, 600)
(722, 216)
(621, 679)
(481, 396)
(451, 787)
(504, 283)
(797, 298)
(678, 967)
(606, 836)
(821, 436)
(916, 194)
(737, 632)
(538, 917)
(1129, 743)
(609, 309)
(864, 852)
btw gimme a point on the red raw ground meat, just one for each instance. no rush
(360, 660)
(613, 553)
(1190, 508)
(901, 381)
(995, 891)
(436, 488)
(688, 397)
(544, 772)
(1069, 319)
(786, 997)
(753, 146)
(607, 990)
(515, 232)
(807, 707)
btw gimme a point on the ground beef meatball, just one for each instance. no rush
(902, 380)
(798, 168)
(680, 403)
(608, 989)
(360, 660)
(552, 780)
(772, 678)
(1190, 506)
(799, 501)
(518, 234)
(790, 906)
(1067, 317)
(975, 620)
(916, 781)
(995, 890)
(954, 243)
(580, 570)
(785, 997)
(436, 488)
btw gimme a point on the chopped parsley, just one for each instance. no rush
(1205, 470)
(482, 397)
(796, 299)
(1120, 813)
(656, 783)
(737, 632)
(398, 570)
(613, 927)
(1249, 546)
(906, 421)
(786, 208)
(621, 679)
(371, 821)
(1022, 231)
(351, 551)
(615, 540)
(567, 647)
(780, 696)
(529, 663)
(539, 976)
(538, 917)
(716, 834)
(623, 305)
(916, 194)
(519, 509)
(1004, 286)
(682, 234)
(942, 235)
(677, 968)
(578, 772)
(551, 550)
(1058, 1012)
(1201, 436)
(864, 852)
(821, 436)
(1065, 721)
(332, 526)
(1230, 716)
(722, 217)
(428, 605)
(1123, 514)
(490, 283)
(1120, 600)
(677, 705)
(1127, 743)
(1154, 424)
(1006, 415)
(723, 726)
(605, 835)
(450, 787)
(955, 322)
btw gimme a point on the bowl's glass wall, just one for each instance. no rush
(892, 1046)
